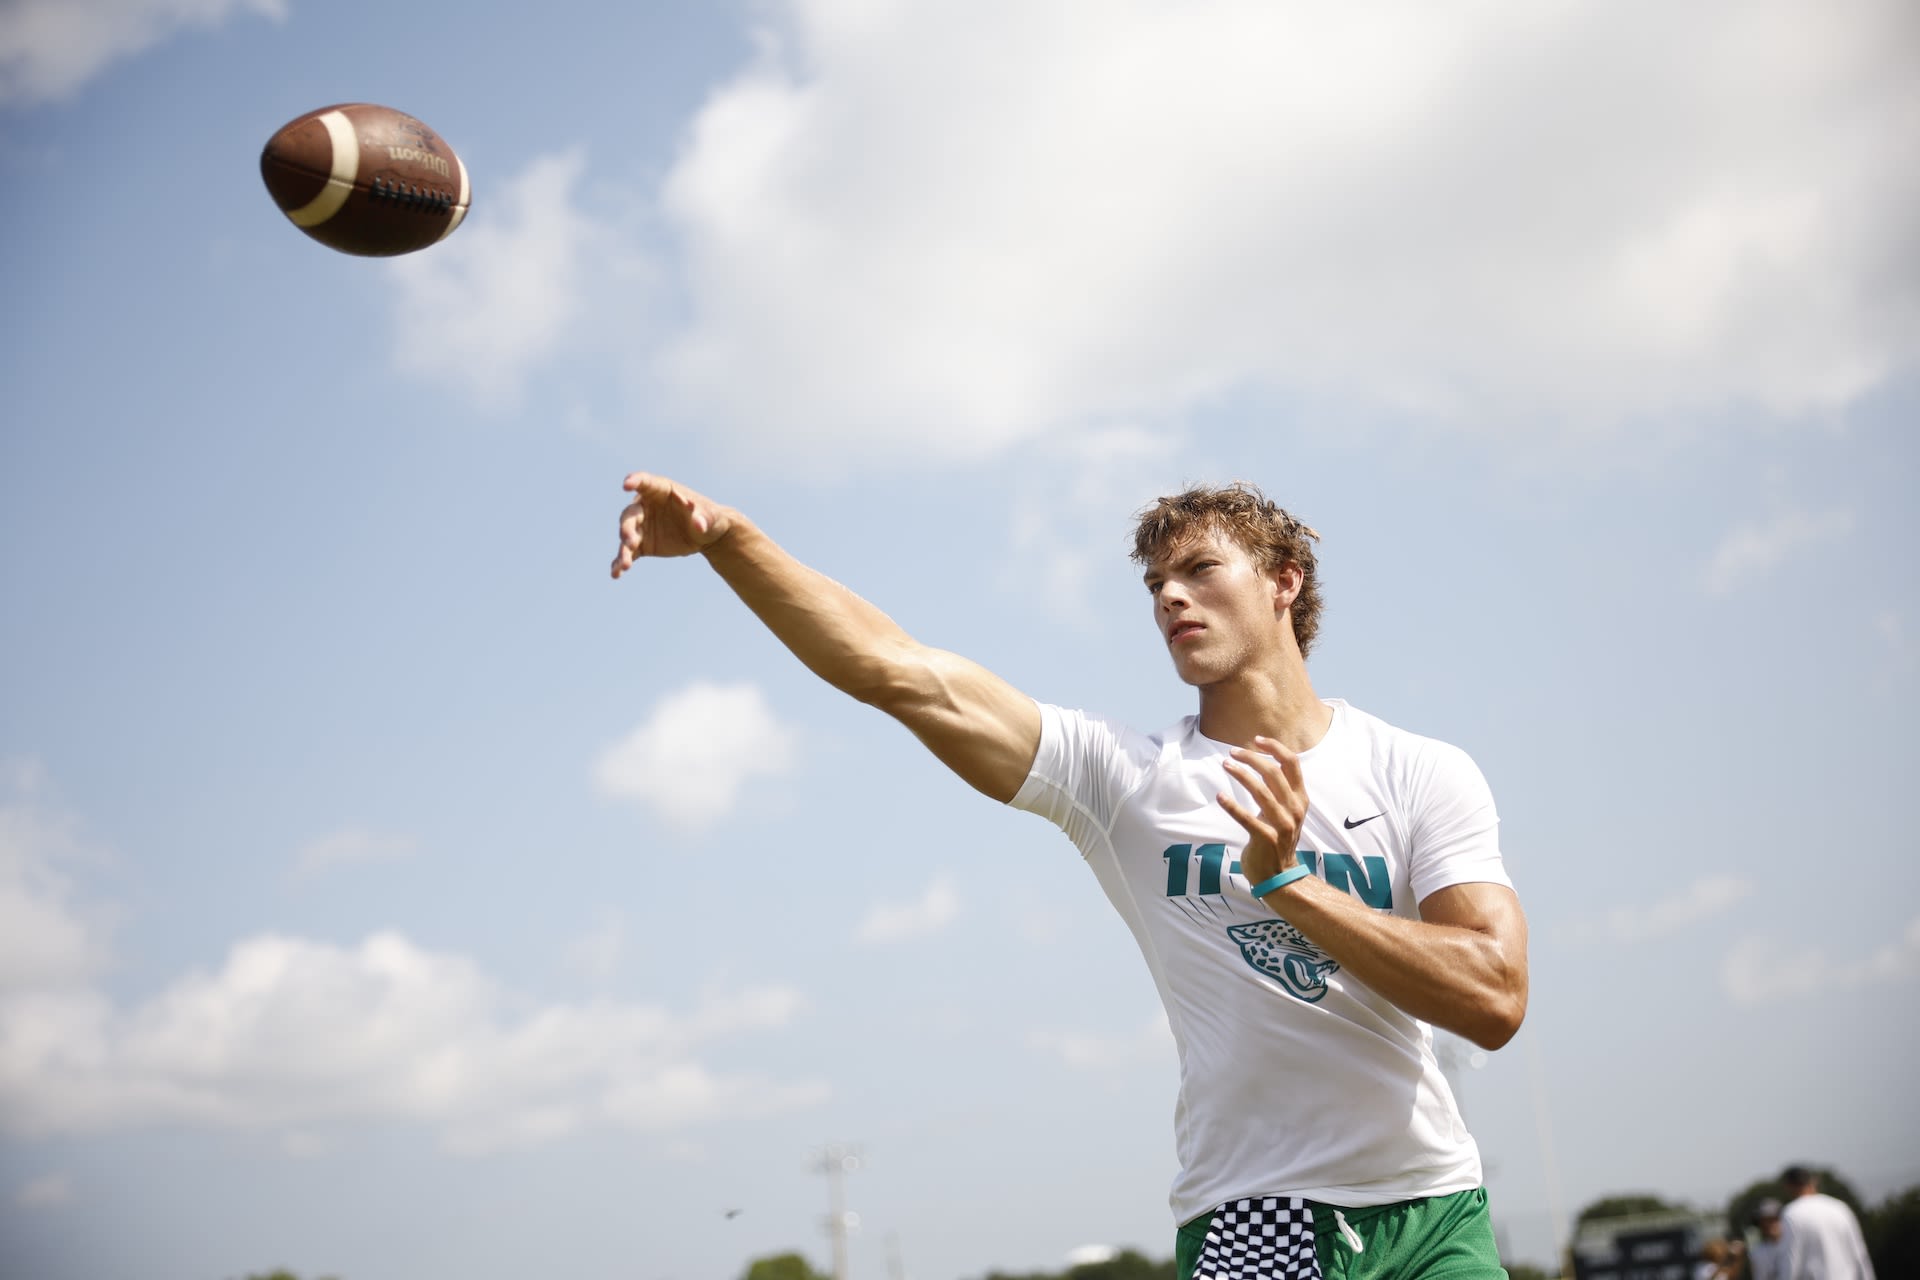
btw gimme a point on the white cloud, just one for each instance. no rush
(1705, 898)
(291, 1034)
(294, 1036)
(1088, 1254)
(1761, 971)
(697, 751)
(1753, 550)
(953, 227)
(1153, 1042)
(350, 846)
(513, 288)
(49, 48)
(933, 911)
(46, 1192)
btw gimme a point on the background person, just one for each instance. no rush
(1819, 1236)
(1764, 1260)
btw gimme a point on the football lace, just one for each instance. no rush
(400, 193)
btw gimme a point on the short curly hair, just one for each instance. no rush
(1268, 533)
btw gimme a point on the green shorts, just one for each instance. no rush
(1439, 1238)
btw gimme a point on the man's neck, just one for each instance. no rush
(1278, 704)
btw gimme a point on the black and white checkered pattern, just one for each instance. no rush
(1268, 1238)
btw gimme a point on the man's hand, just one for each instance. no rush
(1271, 775)
(1461, 966)
(665, 519)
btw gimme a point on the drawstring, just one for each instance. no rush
(1347, 1233)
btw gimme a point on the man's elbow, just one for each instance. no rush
(1499, 1011)
(1501, 1005)
(1498, 1021)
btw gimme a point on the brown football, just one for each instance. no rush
(365, 179)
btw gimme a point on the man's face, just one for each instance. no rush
(1769, 1228)
(1216, 609)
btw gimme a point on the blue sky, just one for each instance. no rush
(384, 892)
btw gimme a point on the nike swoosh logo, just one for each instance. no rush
(1351, 824)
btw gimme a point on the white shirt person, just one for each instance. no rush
(1313, 890)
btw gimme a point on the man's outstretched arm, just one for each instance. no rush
(978, 725)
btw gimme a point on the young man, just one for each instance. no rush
(1764, 1259)
(1312, 889)
(1820, 1238)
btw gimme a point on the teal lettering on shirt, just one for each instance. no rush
(1372, 885)
(1212, 858)
(1364, 877)
(1176, 856)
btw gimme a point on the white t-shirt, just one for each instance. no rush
(1820, 1240)
(1294, 1078)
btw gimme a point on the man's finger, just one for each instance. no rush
(1281, 770)
(1288, 761)
(643, 482)
(1255, 826)
(1265, 765)
(1256, 786)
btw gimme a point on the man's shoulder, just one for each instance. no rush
(1816, 1206)
(1086, 734)
(1402, 752)
(1096, 759)
(1366, 724)
(1833, 1205)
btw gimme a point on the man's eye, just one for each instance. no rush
(1153, 588)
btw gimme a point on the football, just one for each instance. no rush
(366, 179)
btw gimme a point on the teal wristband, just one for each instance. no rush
(1282, 880)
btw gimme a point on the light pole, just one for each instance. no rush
(836, 1161)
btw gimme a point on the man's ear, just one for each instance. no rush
(1287, 581)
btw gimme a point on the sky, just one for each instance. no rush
(385, 892)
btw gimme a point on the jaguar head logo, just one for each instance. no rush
(1282, 952)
